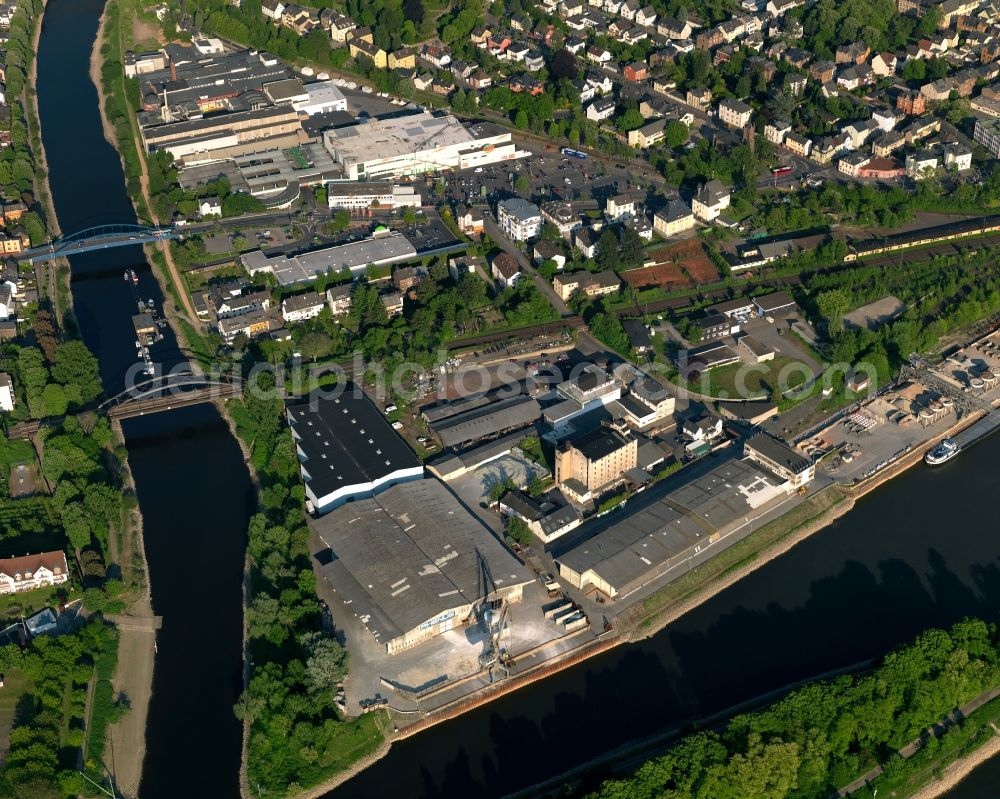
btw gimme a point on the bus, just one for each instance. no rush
(778, 171)
(573, 153)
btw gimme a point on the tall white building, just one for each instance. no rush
(519, 219)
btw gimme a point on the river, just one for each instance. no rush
(922, 550)
(193, 487)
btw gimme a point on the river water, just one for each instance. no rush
(921, 551)
(193, 487)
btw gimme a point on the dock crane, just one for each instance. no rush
(493, 620)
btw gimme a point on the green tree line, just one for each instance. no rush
(822, 736)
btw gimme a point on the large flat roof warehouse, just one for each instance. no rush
(347, 448)
(415, 144)
(412, 562)
(355, 256)
(627, 553)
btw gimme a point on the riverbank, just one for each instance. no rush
(959, 769)
(171, 284)
(53, 276)
(133, 674)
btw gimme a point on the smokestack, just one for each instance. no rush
(173, 71)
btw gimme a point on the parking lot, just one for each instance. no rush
(550, 176)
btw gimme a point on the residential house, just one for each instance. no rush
(629, 9)
(601, 109)
(361, 48)
(675, 217)
(534, 61)
(29, 572)
(775, 132)
(735, 113)
(855, 76)
(852, 163)
(646, 16)
(921, 164)
(699, 98)
(340, 27)
(647, 135)
(339, 298)
(470, 221)
(591, 284)
(912, 103)
(600, 81)
(854, 53)
(393, 303)
(888, 143)
(823, 71)
(884, 65)
(619, 207)
(599, 55)
(210, 206)
(272, 9)
(636, 71)
(674, 29)
(958, 157)
(710, 201)
(6, 392)
(403, 58)
(481, 80)
(796, 84)
(548, 251)
(435, 55)
(937, 90)
(405, 278)
(301, 307)
(563, 217)
(505, 270)
(585, 240)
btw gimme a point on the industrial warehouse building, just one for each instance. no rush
(416, 144)
(412, 562)
(482, 419)
(347, 449)
(226, 135)
(355, 256)
(595, 461)
(668, 531)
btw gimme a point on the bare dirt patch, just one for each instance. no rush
(666, 276)
(146, 33)
(875, 314)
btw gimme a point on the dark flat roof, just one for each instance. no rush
(599, 443)
(346, 440)
(779, 452)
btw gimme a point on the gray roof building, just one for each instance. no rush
(409, 562)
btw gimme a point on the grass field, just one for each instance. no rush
(741, 380)
(15, 686)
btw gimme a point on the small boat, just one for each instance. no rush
(943, 452)
(132, 277)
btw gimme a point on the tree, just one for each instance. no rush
(313, 345)
(520, 119)
(522, 185)
(675, 134)
(76, 365)
(327, 662)
(606, 255)
(563, 65)
(630, 120)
